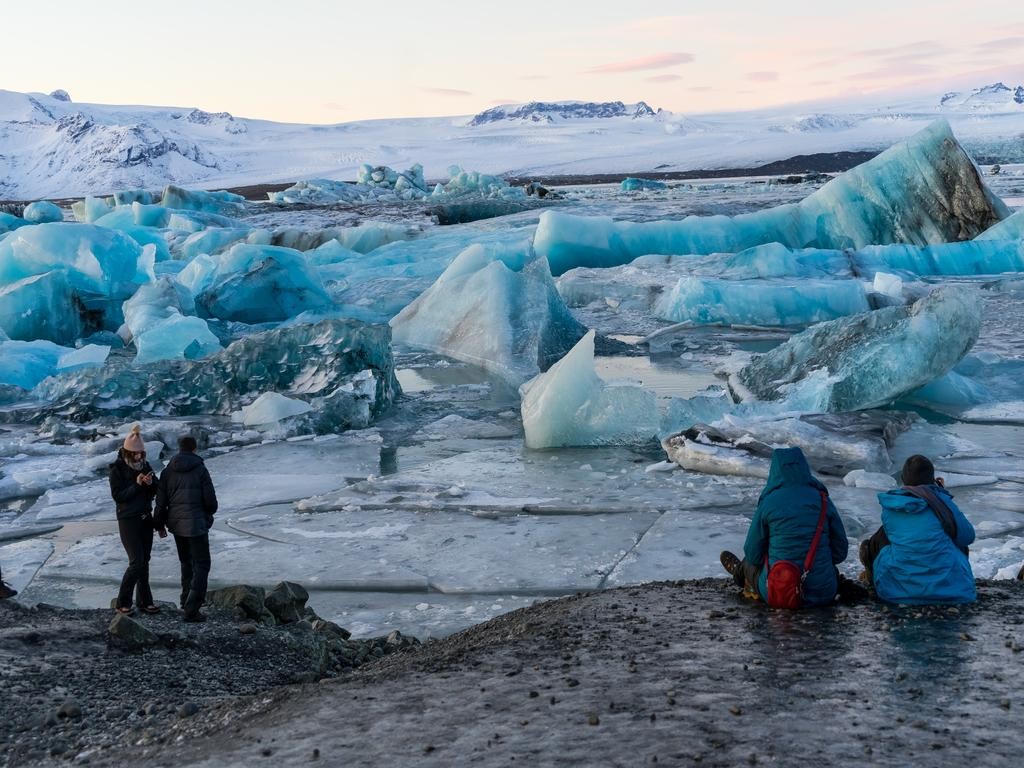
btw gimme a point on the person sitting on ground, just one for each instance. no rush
(186, 504)
(5, 590)
(133, 486)
(796, 535)
(919, 555)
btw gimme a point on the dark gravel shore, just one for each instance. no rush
(69, 690)
(672, 673)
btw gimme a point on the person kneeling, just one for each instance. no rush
(919, 555)
(795, 539)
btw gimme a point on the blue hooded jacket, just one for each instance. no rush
(922, 564)
(785, 522)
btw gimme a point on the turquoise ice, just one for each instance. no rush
(42, 212)
(922, 191)
(570, 405)
(867, 360)
(496, 307)
(40, 307)
(705, 301)
(254, 284)
(161, 321)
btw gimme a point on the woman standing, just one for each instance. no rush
(133, 486)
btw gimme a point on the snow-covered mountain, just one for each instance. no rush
(550, 111)
(997, 97)
(51, 146)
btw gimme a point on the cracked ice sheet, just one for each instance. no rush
(460, 553)
(88, 572)
(278, 472)
(572, 480)
(21, 560)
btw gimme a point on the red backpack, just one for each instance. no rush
(786, 580)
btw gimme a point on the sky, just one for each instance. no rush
(314, 61)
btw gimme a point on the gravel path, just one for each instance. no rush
(670, 673)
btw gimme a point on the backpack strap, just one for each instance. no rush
(941, 509)
(809, 560)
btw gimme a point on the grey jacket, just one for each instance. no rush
(185, 499)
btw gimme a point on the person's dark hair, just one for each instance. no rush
(187, 443)
(918, 470)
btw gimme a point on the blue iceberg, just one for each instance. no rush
(161, 323)
(343, 368)
(632, 184)
(921, 191)
(570, 405)
(867, 360)
(42, 212)
(41, 307)
(221, 203)
(255, 284)
(496, 307)
(704, 301)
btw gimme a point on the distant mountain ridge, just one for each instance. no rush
(52, 146)
(987, 98)
(549, 111)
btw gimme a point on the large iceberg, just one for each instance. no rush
(867, 360)
(82, 269)
(921, 191)
(343, 368)
(160, 320)
(41, 307)
(221, 203)
(254, 284)
(42, 212)
(25, 363)
(570, 405)
(703, 301)
(496, 307)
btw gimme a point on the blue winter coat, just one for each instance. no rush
(785, 522)
(922, 564)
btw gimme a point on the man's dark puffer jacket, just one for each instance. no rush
(185, 499)
(133, 500)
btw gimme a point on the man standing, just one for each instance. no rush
(186, 504)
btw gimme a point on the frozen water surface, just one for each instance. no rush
(437, 515)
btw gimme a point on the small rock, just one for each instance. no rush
(593, 719)
(534, 694)
(736, 710)
(241, 599)
(187, 709)
(247, 629)
(130, 632)
(69, 709)
(329, 627)
(287, 602)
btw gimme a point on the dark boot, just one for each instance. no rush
(6, 591)
(733, 565)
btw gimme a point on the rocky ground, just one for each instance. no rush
(75, 686)
(681, 673)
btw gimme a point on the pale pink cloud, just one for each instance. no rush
(657, 61)
(763, 77)
(699, 88)
(446, 91)
(1003, 43)
(664, 78)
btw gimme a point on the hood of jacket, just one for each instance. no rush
(789, 470)
(899, 500)
(185, 462)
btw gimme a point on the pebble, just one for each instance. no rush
(247, 629)
(187, 709)
(593, 719)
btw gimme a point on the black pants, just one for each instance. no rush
(194, 556)
(869, 549)
(137, 539)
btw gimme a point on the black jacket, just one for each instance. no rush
(185, 499)
(134, 501)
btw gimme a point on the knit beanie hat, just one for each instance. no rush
(133, 443)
